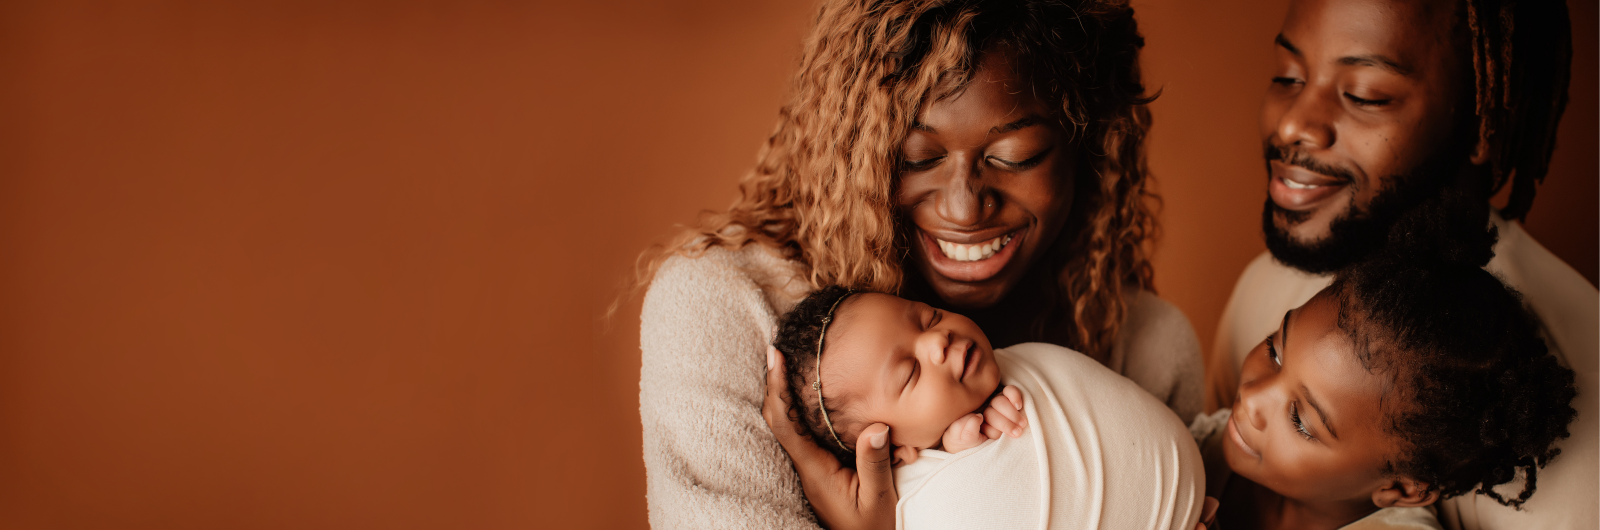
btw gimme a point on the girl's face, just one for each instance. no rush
(1307, 422)
(908, 365)
(986, 183)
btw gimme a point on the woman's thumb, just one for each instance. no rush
(874, 457)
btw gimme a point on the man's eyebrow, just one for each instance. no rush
(1027, 121)
(1281, 41)
(1326, 423)
(1377, 61)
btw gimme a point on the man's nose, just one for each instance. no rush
(1308, 121)
(961, 199)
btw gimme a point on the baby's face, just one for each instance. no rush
(1307, 422)
(908, 365)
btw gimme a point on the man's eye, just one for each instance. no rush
(1285, 81)
(1365, 102)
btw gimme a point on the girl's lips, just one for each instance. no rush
(1233, 434)
(970, 271)
(1294, 188)
(969, 361)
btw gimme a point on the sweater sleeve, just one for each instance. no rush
(710, 460)
(1158, 349)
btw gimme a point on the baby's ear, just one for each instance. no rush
(904, 454)
(1404, 492)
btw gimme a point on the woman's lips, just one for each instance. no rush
(975, 270)
(1296, 188)
(1233, 433)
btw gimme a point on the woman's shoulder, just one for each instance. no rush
(1153, 326)
(1148, 311)
(723, 272)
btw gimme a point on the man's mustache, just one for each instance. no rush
(1302, 159)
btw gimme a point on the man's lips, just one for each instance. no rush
(1297, 188)
(1233, 434)
(971, 271)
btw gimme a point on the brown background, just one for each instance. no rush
(330, 266)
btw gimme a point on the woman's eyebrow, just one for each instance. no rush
(1026, 121)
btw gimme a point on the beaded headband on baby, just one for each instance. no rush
(817, 385)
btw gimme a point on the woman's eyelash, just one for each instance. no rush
(918, 165)
(1299, 425)
(1025, 164)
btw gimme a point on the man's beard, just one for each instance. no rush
(1355, 233)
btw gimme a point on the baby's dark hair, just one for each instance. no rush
(798, 332)
(1478, 398)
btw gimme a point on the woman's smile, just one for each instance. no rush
(971, 262)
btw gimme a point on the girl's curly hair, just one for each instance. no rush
(822, 191)
(798, 333)
(1478, 398)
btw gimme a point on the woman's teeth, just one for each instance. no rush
(980, 251)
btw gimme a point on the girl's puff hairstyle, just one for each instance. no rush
(1478, 398)
(798, 333)
(822, 191)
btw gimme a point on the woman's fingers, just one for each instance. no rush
(812, 461)
(876, 496)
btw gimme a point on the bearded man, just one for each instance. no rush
(1389, 118)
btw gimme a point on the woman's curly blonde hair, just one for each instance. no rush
(822, 191)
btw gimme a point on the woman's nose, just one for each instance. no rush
(961, 200)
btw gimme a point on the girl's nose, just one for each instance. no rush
(932, 346)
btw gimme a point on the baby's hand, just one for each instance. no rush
(964, 434)
(1005, 415)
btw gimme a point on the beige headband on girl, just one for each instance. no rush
(817, 385)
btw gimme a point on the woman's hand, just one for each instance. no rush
(1004, 415)
(843, 498)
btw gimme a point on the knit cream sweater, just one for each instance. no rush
(710, 460)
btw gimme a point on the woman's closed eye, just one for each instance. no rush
(1028, 163)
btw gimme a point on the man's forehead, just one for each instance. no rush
(1410, 34)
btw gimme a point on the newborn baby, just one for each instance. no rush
(1085, 447)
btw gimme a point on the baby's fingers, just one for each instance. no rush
(1013, 394)
(995, 417)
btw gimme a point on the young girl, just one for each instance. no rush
(1396, 386)
(1083, 446)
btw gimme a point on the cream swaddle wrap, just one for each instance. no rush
(1099, 452)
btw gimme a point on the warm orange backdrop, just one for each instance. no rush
(334, 265)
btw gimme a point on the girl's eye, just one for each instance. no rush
(1363, 102)
(1294, 417)
(1272, 351)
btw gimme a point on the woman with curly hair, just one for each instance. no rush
(983, 156)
